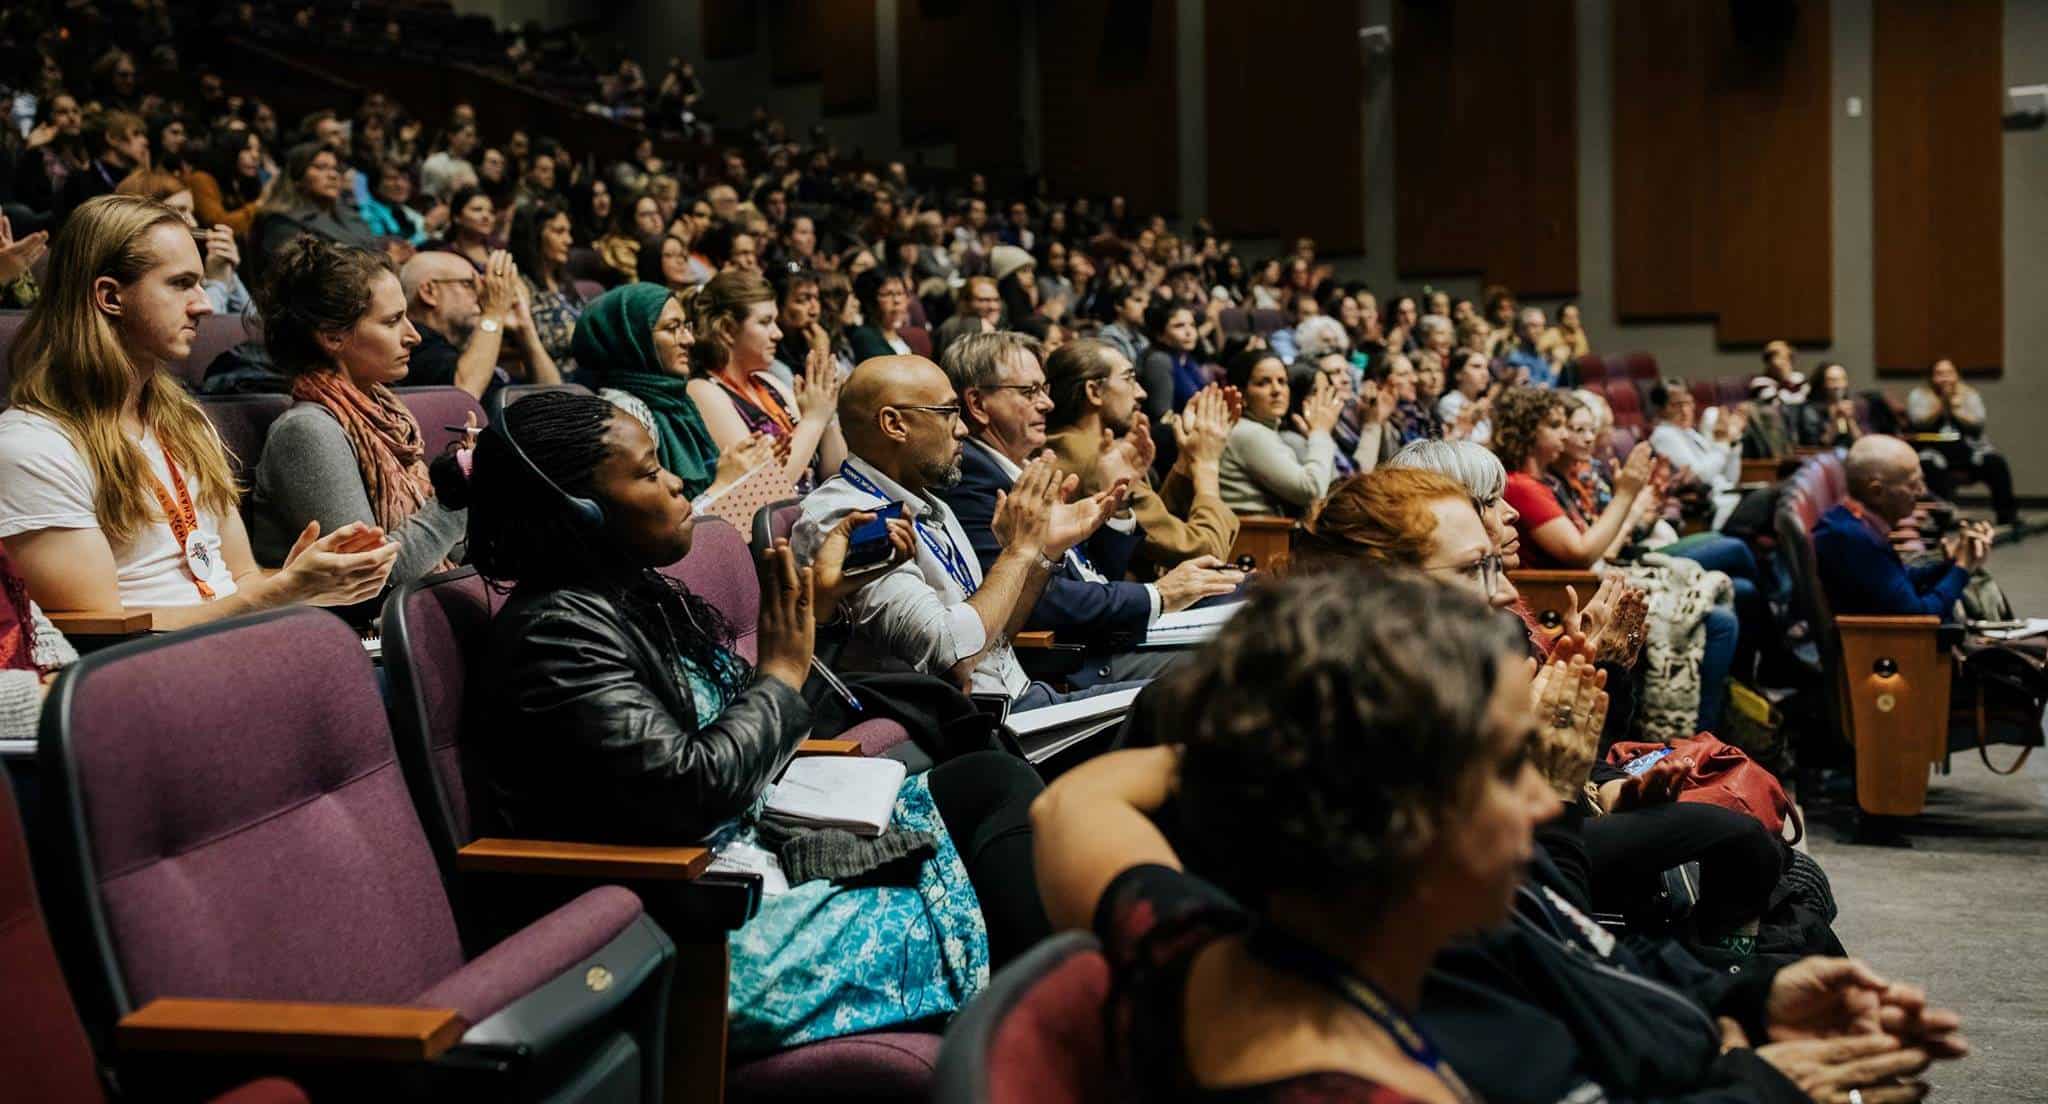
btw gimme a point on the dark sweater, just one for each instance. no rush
(1863, 574)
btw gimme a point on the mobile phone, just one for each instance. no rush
(1642, 763)
(868, 546)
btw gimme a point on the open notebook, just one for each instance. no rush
(1047, 731)
(767, 483)
(839, 791)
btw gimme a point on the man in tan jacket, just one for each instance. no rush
(1096, 397)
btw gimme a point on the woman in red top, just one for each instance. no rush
(1529, 431)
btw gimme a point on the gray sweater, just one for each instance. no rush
(21, 692)
(308, 473)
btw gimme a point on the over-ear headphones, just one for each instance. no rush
(586, 512)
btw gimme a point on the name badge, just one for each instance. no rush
(201, 555)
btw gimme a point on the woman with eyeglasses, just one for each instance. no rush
(306, 199)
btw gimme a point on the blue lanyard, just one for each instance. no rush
(948, 554)
(1285, 952)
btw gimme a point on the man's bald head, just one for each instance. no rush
(427, 267)
(441, 292)
(1884, 475)
(916, 447)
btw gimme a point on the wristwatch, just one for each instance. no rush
(490, 325)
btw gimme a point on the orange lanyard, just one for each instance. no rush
(183, 518)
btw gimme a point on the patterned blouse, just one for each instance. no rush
(554, 317)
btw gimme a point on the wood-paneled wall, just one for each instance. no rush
(1722, 200)
(852, 74)
(957, 70)
(1938, 185)
(1286, 131)
(1108, 96)
(1486, 143)
(730, 28)
(797, 42)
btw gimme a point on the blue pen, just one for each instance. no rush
(832, 680)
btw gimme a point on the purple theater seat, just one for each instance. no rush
(10, 324)
(1234, 320)
(1641, 367)
(217, 334)
(1591, 367)
(243, 422)
(513, 392)
(892, 1065)
(720, 570)
(775, 522)
(264, 847)
(1266, 320)
(437, 408)
(1037, 1034)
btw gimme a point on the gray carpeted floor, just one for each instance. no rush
(1964, 912)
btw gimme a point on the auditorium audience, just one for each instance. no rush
(472, 227)
(227, 184)
(1465, 410)
(348, 450)
(120, 145)
(940, 612)
(1004, 401)
(1947, 417)
(464, 317)
(1860, 570)
(1714, 461)
(1259, 473)
(1097, 404)
(1523, 355)
(621, 712)
(978, 309)
(115, 492)
(1530, 432)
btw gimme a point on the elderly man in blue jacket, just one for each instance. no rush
(1860, 570)
(1003, 399)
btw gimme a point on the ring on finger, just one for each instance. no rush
(1561, 717)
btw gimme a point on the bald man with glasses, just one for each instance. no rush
(939, 611)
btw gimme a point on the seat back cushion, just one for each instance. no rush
(249, 830)
(720, 570)
(44, 1054)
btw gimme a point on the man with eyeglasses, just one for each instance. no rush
(1004, 401)
(940, 611)
(464, 317)
(1852, 549)
(1095, 397)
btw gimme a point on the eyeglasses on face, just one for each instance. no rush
(948, 411)
(1486, 570)
(1031, 391)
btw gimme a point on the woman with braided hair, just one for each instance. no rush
(621, 710)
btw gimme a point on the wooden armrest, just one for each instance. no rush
(1760, 469)
(1265, 523)
(383, 1032)
(1895, 680)
(100, 622)
(1040, 639)
(829, 747)
(1542, 591)
(583, 860)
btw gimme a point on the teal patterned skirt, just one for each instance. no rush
(824, 960)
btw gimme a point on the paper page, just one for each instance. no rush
(1032, 721)
(1189, 626)
(740, 857)
(2035, 626)
(831, 791)
(766, 484)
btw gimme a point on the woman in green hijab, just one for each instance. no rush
(633, 344)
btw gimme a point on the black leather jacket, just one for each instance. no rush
(592, 735)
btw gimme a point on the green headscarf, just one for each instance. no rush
(614, 347)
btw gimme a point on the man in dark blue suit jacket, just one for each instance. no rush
(1859, 569)
(1086, 600)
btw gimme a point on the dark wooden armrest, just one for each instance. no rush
(100, 622)
(1760, 469)
(582, 860)
(829, 747)
(383, 1032)
(1266, 538)
(1543, 592)
(1040, 639)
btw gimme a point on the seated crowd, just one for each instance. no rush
(1059, 423)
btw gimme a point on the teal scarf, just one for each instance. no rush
(614, 347)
